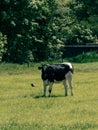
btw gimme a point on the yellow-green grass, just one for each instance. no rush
(22, 107)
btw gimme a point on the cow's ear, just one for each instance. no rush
(39, 68)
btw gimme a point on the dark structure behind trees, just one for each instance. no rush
(74, 50)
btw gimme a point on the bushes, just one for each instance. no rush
(85, 57)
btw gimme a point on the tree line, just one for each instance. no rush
(39, 30)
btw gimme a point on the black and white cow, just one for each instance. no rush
(52, 73)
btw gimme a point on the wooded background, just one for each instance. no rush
(37, 30)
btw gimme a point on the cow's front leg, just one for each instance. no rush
(45, 83)
(50, 88)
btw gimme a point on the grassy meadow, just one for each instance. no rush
(23, 107)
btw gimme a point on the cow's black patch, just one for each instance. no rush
(55, 72)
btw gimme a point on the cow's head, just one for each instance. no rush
(44, 71)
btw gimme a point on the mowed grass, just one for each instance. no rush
(22, 107)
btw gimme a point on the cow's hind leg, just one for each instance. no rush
(65, 87)
(69, 77)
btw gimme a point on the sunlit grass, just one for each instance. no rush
(22, 107)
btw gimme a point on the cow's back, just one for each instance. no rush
(61, 71)
(57, 72)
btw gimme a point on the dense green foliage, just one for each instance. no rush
(38, 30)
(28, 26)
(86, 15)
(3, 42)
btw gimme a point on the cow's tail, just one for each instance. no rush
(72, 71)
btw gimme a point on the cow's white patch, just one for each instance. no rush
(67, 63)
(45, 82)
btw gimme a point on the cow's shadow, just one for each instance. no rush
(52, 96)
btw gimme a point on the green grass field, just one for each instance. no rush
(23, 107)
